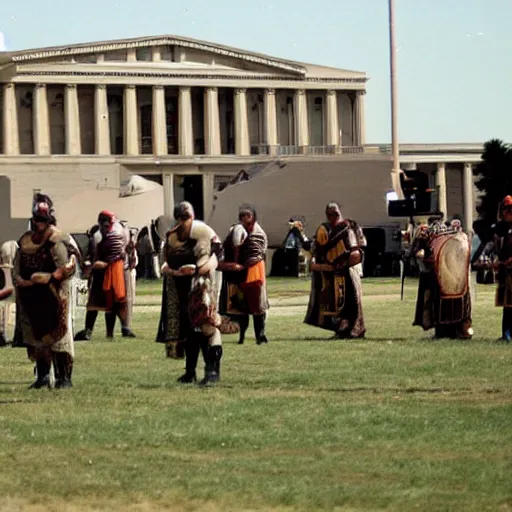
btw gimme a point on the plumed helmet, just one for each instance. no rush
(42, 209)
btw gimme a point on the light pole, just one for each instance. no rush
(395, 172)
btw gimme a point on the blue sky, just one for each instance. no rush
(454, 74)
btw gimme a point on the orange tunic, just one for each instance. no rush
(114, 284)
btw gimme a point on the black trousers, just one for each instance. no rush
(259, 326)
(506, 322)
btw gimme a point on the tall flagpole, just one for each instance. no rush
(395, 172)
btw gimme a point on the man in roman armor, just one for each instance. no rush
(189, 322)
(335, 302)
(503, 242)
(443, 252)
(245, 292)
(111, 285)
(498, 255)
(44, 264)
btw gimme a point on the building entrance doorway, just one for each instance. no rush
(192, 191)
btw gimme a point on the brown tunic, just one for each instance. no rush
(44, 309)
(335, 302)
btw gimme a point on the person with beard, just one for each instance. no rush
(335, 302)
(189, 321)
(44, 263)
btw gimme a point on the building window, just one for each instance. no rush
(167, 53)
(119, 56)
(85, 59)
(144, 54)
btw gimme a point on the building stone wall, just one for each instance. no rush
(305, 187)
(10, 229)
(60, 181)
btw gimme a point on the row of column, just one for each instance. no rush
(41, 121)
(467, 192)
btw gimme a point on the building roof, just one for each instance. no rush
(283, 65)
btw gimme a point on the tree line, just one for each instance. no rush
(493, 179)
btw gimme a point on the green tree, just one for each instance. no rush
(494, 180)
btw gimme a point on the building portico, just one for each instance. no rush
(173, 96)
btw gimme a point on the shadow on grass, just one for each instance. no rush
(175, 385)
(17, 401)
(342, 340)
(412, 390)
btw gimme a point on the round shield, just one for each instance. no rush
(452, 253)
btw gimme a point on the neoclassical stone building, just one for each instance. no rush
(79, 120)
(187, 114)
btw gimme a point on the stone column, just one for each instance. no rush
(10, 121)
(131, 55)
(211, 122)
(156, 54)
(131, 121)
(359, 124)
(168, 184)
(101, 121)
(333, 130)
(467, 186)
(269, 100)
(442, 201)
(301, 118)
(41, 121)
(72, 120)
(159, 134)
(185, 128)
(242, 142)
(208, 184)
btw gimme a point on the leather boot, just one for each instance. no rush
(243, 321)
(127, 333)
(259, 329)
(84, 335)
(43, 367)
(122, 313)
(56, 368)
(90, 320)
(110, 323)
(65, 369)
(212, 367)
(191, 357)
(506, 324)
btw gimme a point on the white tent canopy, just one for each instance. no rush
(280, 190)
(137, 202)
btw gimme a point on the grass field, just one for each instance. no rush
(397, 421)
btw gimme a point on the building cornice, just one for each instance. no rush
(191, 76)
(48, 53)
(153, 163)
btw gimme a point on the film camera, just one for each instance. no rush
(419, 198)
